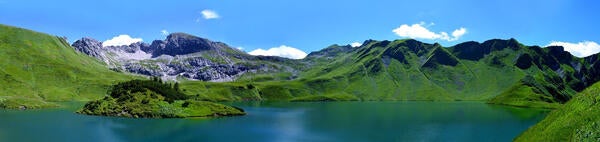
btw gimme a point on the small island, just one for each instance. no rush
(154, 99)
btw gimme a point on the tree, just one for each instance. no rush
(176, 86)
(124, 90)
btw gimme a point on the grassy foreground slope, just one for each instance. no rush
(577, 120)
(37, 69)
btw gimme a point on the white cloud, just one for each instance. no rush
(281, 51)
(355, 44)
(580, 49)
(164, 32)
(209, 14)
(459, 32)
(121, 40)
(240, 48)
(420, 31)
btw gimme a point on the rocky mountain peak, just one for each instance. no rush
(183, 55)
(89, 42)
(131, 48)
(88, 46)
(182, 43)
(180, 36)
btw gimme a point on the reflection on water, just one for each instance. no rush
(284, 121)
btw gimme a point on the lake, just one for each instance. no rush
(285, 121)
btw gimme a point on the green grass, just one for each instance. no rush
(154, 99)
(392, 70)
(262, 77)
(37, 69)
(410, 70)
(325, 98)
(150, 104)
(521, 95)
(577, 120)
(245, 91)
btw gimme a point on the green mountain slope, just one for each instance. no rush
(552, 74)
(37, 69)
(501, 71)
(411, 70)
(577, 120)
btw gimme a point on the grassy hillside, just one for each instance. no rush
(552, 77)
(398, 70)
(37, 69)
(247, 91)
(523, 95)
(577, 120)
(501, 71)
(412, 70)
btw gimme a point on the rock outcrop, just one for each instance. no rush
(184, 55)
(181, 44)
(89, 46)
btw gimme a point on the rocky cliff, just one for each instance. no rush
(186, 56)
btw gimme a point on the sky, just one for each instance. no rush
(293, 28)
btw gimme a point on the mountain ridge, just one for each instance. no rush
(501, 71)
(465, 71)
(557, 73)
(183, 55)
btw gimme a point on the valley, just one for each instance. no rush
(299, 71)
(501, 71)
(41, 71)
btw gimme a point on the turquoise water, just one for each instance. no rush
(285, 121)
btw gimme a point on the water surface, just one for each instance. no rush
(285, 121)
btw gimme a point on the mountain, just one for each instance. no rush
(37, 69)
(186, 56)
(577, 120)
(500, 71)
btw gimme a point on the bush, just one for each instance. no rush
(123, 90)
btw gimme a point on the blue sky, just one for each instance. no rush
(310, 25)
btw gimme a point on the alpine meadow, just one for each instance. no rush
(262, 71)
